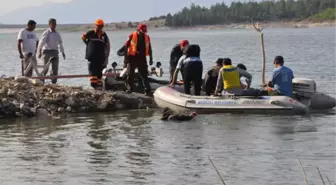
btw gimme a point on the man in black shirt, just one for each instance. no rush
(175, 55)
(97, 52)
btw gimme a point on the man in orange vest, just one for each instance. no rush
(138, 48)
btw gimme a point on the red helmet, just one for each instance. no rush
(143, 28)
(184, 43)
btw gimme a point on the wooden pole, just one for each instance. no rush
(329, 180)
(320, 175)
(304, 173)
(263, 64)
(217, 171)
(22, 68)
(72, 76)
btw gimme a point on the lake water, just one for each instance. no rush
(137, 148)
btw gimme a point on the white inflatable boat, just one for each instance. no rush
(306, 98)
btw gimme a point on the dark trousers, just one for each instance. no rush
(192, 73)
(25, 63)
(209, 85)
(53, 56)
(95, 72)
(140, 63)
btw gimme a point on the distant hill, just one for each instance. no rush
(86, 11)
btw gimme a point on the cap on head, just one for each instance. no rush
(31, 22)
(227, 62)
(278, 60)
(184, 43)
(99, 22)
(143, 28)
(242, 66)
(52, 20)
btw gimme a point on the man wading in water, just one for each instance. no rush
(50, 41)
(27, 44)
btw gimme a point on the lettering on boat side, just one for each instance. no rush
(217, 102)
(254, 102)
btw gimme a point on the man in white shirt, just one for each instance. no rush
(50, 42)
(27, 44)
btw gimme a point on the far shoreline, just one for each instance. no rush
(159, 25)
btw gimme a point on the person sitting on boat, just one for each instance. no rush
(175, 55)
(281, 83)
(192, 69)
(211, 76)
(242, 70)
(229, 77)
(167, 114)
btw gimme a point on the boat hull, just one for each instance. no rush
(180, 102)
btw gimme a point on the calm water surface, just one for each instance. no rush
(137, 148)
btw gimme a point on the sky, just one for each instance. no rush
(82, 11)
(11, 5)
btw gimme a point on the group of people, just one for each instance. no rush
(135, 51)
(184, 58)
(45, 48)
(224, 78)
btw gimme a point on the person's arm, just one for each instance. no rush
(85, 38)
(178, 67)
(274, 76)
(219, 84)
(150, 52)
(107, 50)
(108, 45)
(37, 43)
(247, 75)
(20, 40)
(60, 42)
(42, 42)
(173, 55)
(128, 42)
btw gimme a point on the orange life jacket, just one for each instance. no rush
(132, 49)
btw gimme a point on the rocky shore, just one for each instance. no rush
(23, 97)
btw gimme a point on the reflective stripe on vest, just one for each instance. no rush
(231, 77)
(132, 49)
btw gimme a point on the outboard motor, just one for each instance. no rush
(304, 87)
(111, 82)
(305, 91)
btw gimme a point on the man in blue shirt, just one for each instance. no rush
(282, 78)
(192, 67)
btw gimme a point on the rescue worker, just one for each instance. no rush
(192, 69)
(175, 55)
(281, 83)
(97, 53)
(27, 46)
(228, 79)
(210, 78)
(138, 48)
(51, 40)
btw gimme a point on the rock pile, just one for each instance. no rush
(26, 97)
